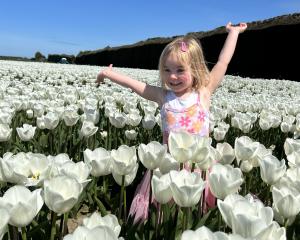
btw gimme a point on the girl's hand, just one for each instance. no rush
(241, 27)
(103, 74)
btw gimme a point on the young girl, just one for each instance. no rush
(184, 98)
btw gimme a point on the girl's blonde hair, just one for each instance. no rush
(189, 53)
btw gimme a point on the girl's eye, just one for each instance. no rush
(180, 70)
(166, 70)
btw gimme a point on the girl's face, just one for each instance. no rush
(177, 76)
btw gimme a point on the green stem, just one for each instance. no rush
(100, 206)
(125, 206)
(53, 225)
(24, 236)
(121, 197)
(64, 223)
(183, 219)
(158, 221)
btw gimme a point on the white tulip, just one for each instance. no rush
(70, 117)
(273, 232)
(182, 146)
(38, 109)
(224, 180)
(244, 148)
(186, 187)
(201, 233)
(51, 120)
(219, 134)
(91, 114)
(271, 169)
(81, 233)
(22, 204)
(168, 164)
(238, 212)
(286, 200)
(246, 166)
(280, 219)
(152, 154)
(26, 133)
(294, 159)
(118, 119)
(5, 132)
(291, 145)
(88, 129)
(108, 220)
(103, 134)
(149, 121)
(40, 122)
(128, 177)
(15, 168)
(210, 155)
(100, 161)
(131, 134)
(29, 113)
(133, 119)
(79, 170)
(59, 197)
(124, 160)
(5, 117)
(203, 146)
(226, 152)
(161, 188)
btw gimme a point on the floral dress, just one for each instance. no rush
(188, 114)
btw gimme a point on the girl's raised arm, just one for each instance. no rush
(146, 91)
(218, 71)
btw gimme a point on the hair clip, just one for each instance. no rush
(183, 46)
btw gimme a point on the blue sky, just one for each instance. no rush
(63, 26)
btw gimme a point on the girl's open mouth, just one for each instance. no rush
(175, 84)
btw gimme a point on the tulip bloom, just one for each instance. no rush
(224, 180)
(128, 177)
(131, 134)
(161, 188)
(124, 160)
(22, 204)
(108, 220)
(152, 154)
(59, 197)
(238, 212)
(5, 132)
(271, 169)
(286, 200)
(102, 232)
(168, 164)
(149, 121)
(182, 146)
(186, 187)
(26, 133)
(226, 152)
(51, 120)
(88, 129)
(99, 160)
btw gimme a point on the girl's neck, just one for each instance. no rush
(183, 95)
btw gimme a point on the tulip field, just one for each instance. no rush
(81, 161)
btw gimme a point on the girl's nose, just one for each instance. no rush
(173, 75)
